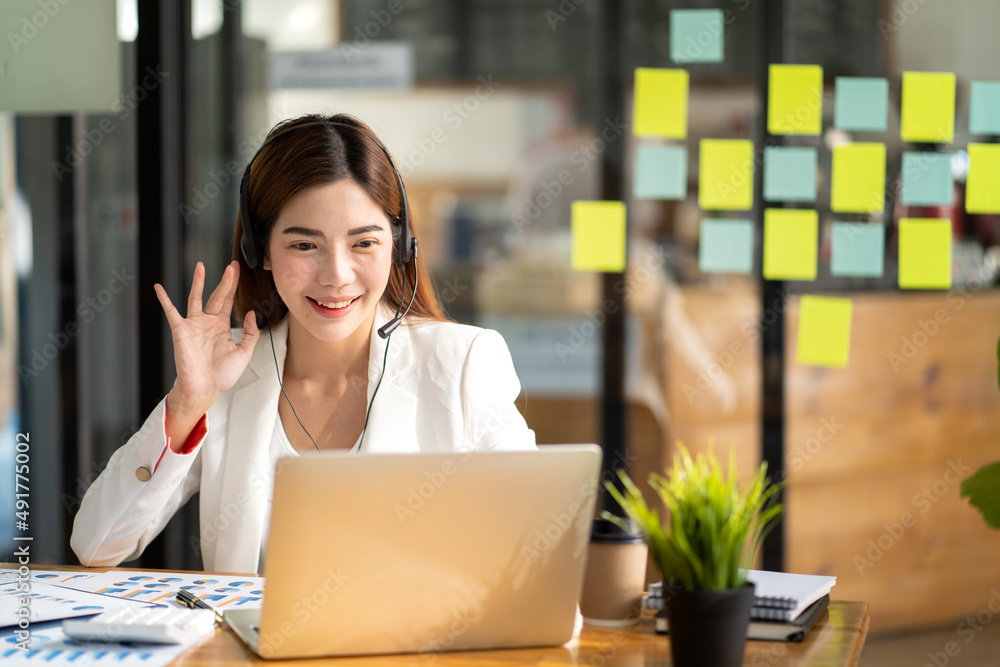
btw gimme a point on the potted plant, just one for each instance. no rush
(703, 550)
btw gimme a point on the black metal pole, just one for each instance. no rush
(609, 109)
(772, 304)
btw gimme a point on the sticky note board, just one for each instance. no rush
(725, 174)
(927, 179)
(790, 243)
(924, 253)
(660, 172)
(824, 337)
(982, 184)
(697, 35)
(858, 250)
(984, 107)
(725, 246)
(860, 103)
(790, 174)
(660, 103)
(858, 178)
(598, 236)
(928, 112)
(795, 99)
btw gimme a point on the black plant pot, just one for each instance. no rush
(708, 628)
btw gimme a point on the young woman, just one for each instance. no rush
(328, 263)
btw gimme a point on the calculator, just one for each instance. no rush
(149, 625)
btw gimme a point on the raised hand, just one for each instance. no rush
(208, 361)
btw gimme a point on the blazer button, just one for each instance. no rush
(142, 474)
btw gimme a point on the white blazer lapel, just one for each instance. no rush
(246, 479)
(394, 410)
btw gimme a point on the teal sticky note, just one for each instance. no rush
(726, 246)
(660, 172)
(984, 107)
(790, 174)
(860, 103)
(696, 35)
(858, 250)
(927, 179)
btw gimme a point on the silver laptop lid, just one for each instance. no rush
(393, 553)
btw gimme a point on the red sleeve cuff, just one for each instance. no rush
(192, 442)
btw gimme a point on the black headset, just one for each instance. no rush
(405, 248)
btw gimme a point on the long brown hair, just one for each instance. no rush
(311, 151)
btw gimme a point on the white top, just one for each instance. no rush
(280, 447)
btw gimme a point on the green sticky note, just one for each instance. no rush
(790, 174)
(928, 112)
(860, 103)
(824, 337)
(725, 246)
(795, 99)
(696, 35)
(790, 238)
(858, 250)
(982, 184)
(984, 107)
(660, 172)
(858, 178)
(598, 236)
(924, 253)
(725, 174)
(927, 179)
(660, 103)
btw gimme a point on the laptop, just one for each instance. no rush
(420, 553)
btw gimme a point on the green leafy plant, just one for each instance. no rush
(715, 526)
(983, 487)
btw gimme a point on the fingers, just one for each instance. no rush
(219, 296)
(250, 332)
(173, 317)
(227, 304)
(197, 287)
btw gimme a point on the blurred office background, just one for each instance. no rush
(125, 171)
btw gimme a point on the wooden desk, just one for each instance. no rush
(835, 641)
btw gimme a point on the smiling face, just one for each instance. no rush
(330, 253)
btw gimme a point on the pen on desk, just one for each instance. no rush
(192, 601)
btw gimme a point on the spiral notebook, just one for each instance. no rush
(782, 596)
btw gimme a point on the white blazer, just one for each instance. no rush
(447, 387)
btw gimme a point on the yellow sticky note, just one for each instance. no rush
(795, 99)
(925, 253)
(928, 109)
(660, 106)
(824, 331)
(982, 188)
(725, 174)
(790, 238)
(858, 178)
(599, 236)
